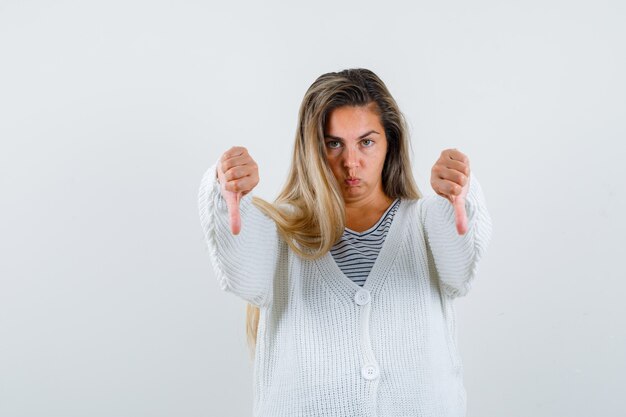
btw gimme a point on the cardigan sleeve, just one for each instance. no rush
(456, 256)
(245, 263)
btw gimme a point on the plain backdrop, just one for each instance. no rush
(110, 112)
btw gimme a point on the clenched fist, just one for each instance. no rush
(450, 179)
(238, 174)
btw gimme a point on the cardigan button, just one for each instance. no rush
(362, 297)
(369, 372)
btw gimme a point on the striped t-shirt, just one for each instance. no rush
(355, 253)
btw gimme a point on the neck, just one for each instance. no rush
(368, 203)
(363, 213)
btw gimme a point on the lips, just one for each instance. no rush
(352, 181)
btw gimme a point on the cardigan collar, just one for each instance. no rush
(342, 285)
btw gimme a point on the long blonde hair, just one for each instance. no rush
(309, 210)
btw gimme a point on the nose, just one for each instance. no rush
(351, 158)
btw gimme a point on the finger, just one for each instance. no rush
(236, 160)
(460, 216)
(457, 166)
(234, 151)
(232, 202)
(451, 175)
(237, 172)
(457, 155)
(244, 184)
(447, 188)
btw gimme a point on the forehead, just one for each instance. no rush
(352, 120)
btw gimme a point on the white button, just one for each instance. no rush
(369, 372)
(362, 297)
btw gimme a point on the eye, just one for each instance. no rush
(333, 144)
(368, 142)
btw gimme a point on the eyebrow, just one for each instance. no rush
(360, 137)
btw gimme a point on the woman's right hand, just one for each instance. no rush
(238, 174)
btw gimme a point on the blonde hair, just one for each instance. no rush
(309, 210)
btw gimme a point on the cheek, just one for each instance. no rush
(334, 164)
(381, 159)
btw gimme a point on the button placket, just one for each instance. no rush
(370, 369)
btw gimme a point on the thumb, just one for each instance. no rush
(459, 214)
(232, 202)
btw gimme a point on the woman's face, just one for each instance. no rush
(356, 147)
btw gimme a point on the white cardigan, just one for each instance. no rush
(328, 347)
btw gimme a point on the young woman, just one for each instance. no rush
(350, 275)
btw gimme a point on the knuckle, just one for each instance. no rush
(233, 151)
(233, 173)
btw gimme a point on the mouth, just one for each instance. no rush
(352, 181)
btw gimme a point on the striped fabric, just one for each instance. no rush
(355, 253)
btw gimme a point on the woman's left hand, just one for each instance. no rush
(450, 179)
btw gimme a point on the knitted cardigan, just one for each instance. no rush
(328, 347)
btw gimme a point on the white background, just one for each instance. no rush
(110, 112)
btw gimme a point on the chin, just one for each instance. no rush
(351, 195)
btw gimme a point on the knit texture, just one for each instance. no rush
(329, 347)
